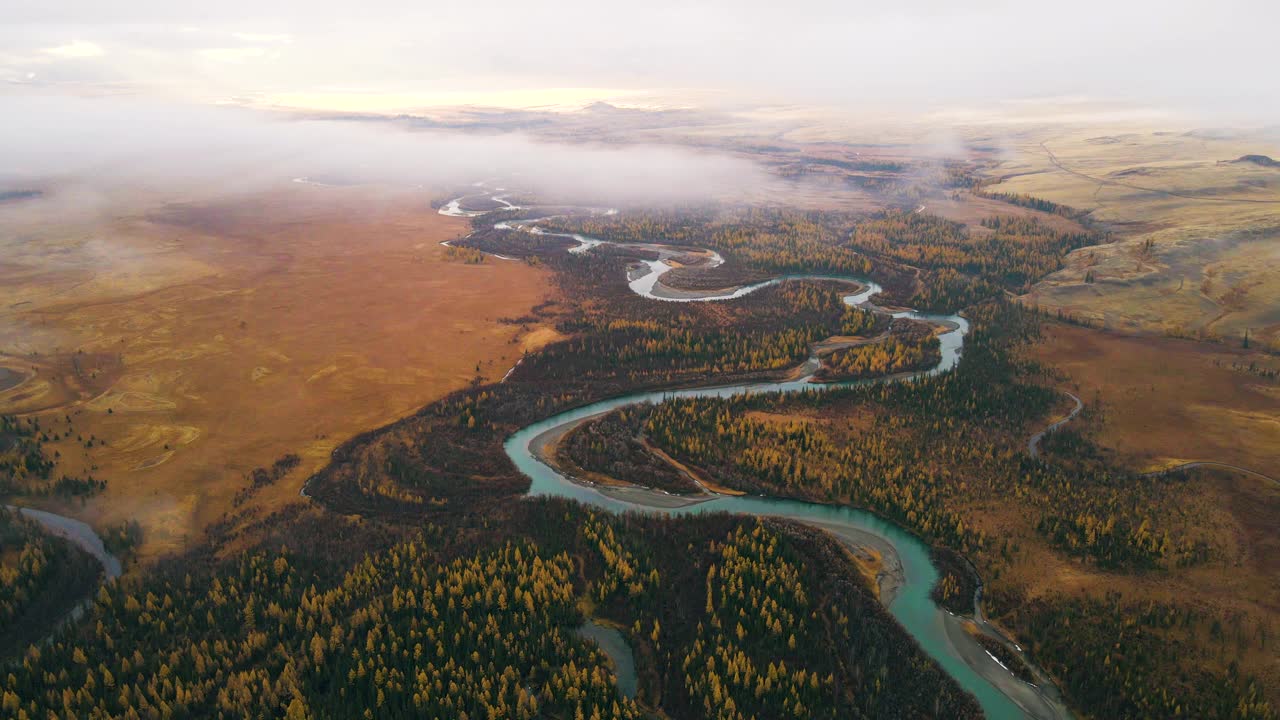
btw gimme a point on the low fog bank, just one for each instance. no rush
(77, 147)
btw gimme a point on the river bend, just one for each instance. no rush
(941, 635)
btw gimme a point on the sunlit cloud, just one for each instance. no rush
(77, 49)
(912, 53)
(234, 54)
(272, 38)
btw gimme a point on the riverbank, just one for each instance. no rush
(74, 590)
(877, 553)
(903, 571)
(79, 534)
(875, 556)
(1031, 698)
(613, 644)
(544, 445)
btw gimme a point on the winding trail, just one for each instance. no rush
(1033, 449)
(1033, 445)
(1171, 193)
(1209, 463)
(938, 633)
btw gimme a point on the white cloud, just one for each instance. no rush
(77, 49)
(234, 54)
(272, 38)
(826, 52)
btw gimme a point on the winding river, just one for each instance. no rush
(940, 634)
(82, 536)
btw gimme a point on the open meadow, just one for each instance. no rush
(174, 348)
(1168, 401)
(1196, 220)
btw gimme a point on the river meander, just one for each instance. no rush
(938, 633)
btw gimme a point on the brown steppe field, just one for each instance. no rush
(1168, 401)
(1165, 402)
(203, 339)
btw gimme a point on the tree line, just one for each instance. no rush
(448, 622)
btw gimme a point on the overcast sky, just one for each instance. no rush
(1219, 54)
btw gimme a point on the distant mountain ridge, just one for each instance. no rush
(15, 195)
(601, 106)
(1261, 160)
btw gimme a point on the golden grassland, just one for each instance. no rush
(201, 340)
(1197, 248)
(971, 210)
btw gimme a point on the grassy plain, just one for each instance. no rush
(1168, 401)
(206, 338)
(1197, 248)
(1197, 255)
